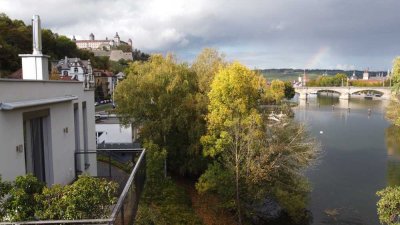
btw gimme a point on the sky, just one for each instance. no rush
(325, 34)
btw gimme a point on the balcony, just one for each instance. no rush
(127, 167)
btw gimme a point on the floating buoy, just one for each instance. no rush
(321, 132)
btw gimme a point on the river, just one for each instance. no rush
(359, 155)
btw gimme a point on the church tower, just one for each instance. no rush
(366, 75)
(117, 40)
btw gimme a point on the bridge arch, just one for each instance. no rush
(367, 90)
(345, 92)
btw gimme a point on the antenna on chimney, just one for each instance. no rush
(35, 65)
(36, 35)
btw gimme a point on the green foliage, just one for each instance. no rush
(216, 179)
(78, 200)
(329, 81)
(21, 204)
(362, 83)
(255, 156)
(155, 158)
(124, 48)
(5, 188)
(28, 199)
(293, 197)
(139, 56)
(206, 65)
(276, 92)
(393, 111)
(162, 201)
(159, 95)
(16, 38)
(396, 75)
(289, 90)
(389, 205)
(173, 206)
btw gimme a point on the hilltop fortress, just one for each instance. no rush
(106, 44)
(112, 48)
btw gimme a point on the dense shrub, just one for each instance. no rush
(28, 199)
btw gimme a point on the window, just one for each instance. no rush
(76, 69)
(85, 134)
(38, 155)
(65, 73)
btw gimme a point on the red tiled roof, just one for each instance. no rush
(66, 78)
(83, 41)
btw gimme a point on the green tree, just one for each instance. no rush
(231, 120)
(251, 153)
(159, 95)
(206, 65)
(276, 91)
(139, 56)
(388, 205)
(289, 90)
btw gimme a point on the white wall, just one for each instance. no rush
(12, 163)
(114, 133)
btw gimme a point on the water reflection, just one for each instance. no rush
(361, 155)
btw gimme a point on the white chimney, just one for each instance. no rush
(35, 66)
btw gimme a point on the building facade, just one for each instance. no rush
(75, 69)
(43, 122)
(105, 82)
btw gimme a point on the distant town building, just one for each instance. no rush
(366, 75)
(105, 44)
(75, 69)
(105, 81)
(354, 77)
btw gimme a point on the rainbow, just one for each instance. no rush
(316, 58)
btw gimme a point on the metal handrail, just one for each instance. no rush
(126, 188)
(85, 221)
(118, 205)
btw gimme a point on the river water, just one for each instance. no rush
(359, 155)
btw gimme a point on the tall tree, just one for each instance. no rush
(232, 119)
(250, 152)
(206, 65)
(159, 95)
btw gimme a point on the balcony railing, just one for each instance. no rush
(127, 167)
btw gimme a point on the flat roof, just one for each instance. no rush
(7, 106)
(41, 81)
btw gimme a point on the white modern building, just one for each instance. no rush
(110, 131)
(43, 123)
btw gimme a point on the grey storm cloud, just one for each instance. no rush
(330, 34)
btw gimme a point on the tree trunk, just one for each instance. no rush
(237, 183)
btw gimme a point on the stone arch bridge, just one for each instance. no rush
(344, 92)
